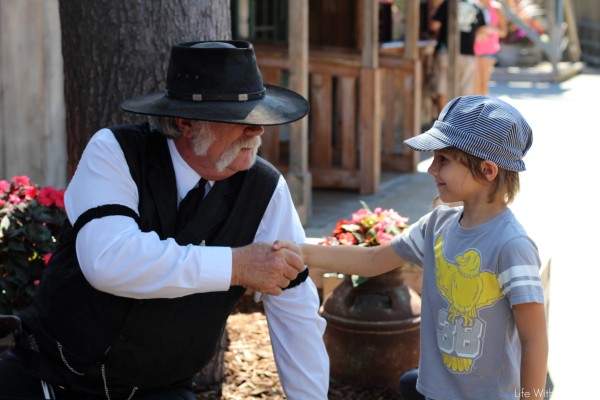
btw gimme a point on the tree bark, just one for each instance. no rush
(118, 49)
(114, 50)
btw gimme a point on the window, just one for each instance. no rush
(260, 20)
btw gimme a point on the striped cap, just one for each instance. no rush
(483, 126)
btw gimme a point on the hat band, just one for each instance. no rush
(216, 97)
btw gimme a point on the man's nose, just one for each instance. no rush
(254, 130)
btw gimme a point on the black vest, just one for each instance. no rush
(144, 343)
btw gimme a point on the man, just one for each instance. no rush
(470, 20)
(165, 224)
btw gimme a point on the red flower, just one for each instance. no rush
(31, 222)
(30, 192)
(367, 228)
(49, 196)
(339, 228)
(347, 238)
(47, 258)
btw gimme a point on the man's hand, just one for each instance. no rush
(258, 267)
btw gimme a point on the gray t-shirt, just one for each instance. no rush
(470, 347)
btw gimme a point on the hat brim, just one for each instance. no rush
(433, 139)
(278, 106)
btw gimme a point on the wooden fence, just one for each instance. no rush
(335, 95)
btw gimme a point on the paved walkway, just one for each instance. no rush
(556, 205)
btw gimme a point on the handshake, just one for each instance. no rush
(266, 268)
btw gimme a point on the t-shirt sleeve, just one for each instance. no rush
(410, 245)
(519, 272)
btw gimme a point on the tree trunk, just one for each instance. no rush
(117, 49)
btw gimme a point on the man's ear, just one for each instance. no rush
(185, 127)
(489, 169)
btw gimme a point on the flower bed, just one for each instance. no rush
(30, 220)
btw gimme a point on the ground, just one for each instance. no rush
(250, 371)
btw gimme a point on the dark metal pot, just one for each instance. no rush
(372, 333)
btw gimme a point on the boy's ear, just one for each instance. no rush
(489, 169)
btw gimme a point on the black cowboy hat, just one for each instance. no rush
(219, 81)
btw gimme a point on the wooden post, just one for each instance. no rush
(412, 108)
(453, 48)
(411, 47)
(574, 45)
(298, 177)
(554, 33)
(370, 102)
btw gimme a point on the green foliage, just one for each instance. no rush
(30, 220)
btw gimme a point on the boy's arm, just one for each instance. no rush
(531, 325)
(352, 260)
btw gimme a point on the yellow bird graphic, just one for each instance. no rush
(466, 289)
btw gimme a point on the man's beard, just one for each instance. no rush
(204, 137)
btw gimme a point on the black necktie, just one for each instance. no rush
(190, 203)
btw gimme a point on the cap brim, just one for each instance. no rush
(278, 106)
(430, 140)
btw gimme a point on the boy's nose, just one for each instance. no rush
(432, 170)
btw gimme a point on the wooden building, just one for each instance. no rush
(365, 80)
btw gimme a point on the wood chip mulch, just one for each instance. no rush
(250, 371)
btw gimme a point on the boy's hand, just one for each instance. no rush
(284, 244)
(258, 267)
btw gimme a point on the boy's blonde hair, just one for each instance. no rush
(505, 186)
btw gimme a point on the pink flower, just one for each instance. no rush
(21, 180)
(4, 186)
(384, 237)
(13, 198)
(47, 258)
(367, 228)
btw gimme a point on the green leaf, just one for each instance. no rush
(351, 227)
(4, 224)
(365, 206)
(18, 247)
(37, 233)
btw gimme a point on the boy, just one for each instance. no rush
(483, 327)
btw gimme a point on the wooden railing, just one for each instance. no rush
(335, 95)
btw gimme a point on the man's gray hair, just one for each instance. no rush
(166, 125)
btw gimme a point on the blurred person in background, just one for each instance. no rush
(487, 43)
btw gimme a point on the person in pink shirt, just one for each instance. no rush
(487, 44)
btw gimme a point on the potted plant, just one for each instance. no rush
(30, 220)
(372, 333)
(366, 228)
